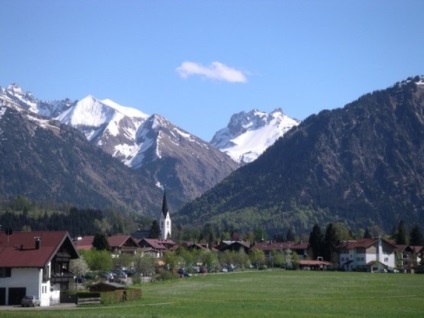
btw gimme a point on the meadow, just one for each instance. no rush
(275, 293)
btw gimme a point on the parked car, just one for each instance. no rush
(182, 272)
(30, 301)
(80, 279)
(106, 275)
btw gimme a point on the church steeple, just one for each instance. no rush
(165, 219)
(164, 205)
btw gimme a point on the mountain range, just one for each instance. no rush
(159, 153)
(362, 165)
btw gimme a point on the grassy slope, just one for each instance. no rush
(267, 294)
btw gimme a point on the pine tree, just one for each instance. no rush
(330, 243)
(100, 242)
(290, 235)
(367, 233)
(401, 236)
(154, 230)
(316, 242)
(416, 236)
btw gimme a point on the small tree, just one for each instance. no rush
(290, 235)
(240, 259)
(100, 242)
(98, 260)
(367, 234)
(401, 236)
(78, 266)
(154, 230)
(295, 260)
(257, 257)
(171, 260)
(278, 258)
(330, 243)
(210, 260)
(316, 242)
(416, 236)
(144, 264)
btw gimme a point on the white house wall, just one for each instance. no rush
(30, 279)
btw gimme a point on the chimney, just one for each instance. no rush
(37, 242)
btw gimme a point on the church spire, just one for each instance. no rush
(164, 205)
(165, 219)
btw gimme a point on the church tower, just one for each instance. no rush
(165, 220)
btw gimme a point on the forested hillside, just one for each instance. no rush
(362, 165)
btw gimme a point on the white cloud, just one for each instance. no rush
(215, 71)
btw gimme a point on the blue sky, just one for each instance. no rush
(199, 62)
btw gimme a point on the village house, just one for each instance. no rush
(156, 247)
(408, 257)
(118, 244)
(234, 246)
(36, 264)
(372, 254)
(300, 248)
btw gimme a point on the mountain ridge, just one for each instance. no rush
(361, 164)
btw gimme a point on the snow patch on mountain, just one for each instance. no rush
(248, 135)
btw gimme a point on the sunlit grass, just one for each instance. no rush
(267, 294)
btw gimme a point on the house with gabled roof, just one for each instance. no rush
(35, 263)
(408, 257)
(301, 248)
(156, 247)
(372, 254)
(118, 244)
(234, 246)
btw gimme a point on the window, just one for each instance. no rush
(386, 259)
(5, 272)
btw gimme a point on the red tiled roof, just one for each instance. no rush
(19, 250)
(362, 243)
(156, 244)
(86, 243)
(120, 239)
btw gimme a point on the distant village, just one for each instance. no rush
(47, 264)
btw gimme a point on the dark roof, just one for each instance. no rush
(233, 245)
(19, 249)
(121, 240)
(156, 243)
(294, 246)
(362, 243)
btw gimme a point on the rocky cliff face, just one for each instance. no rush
(249, 134)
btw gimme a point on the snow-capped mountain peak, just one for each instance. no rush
(249, 134)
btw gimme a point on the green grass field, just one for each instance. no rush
(266, 294)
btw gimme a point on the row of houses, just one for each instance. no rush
(37, 263)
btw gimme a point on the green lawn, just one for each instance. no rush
(267, 294)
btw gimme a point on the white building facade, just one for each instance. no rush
(366, 254)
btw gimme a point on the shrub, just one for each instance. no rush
(166, 275)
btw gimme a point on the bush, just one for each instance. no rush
(166, 275)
